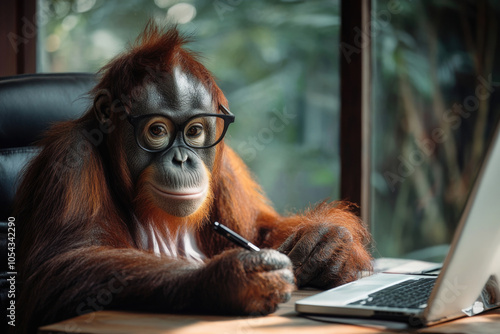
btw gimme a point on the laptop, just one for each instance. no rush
(467, 284)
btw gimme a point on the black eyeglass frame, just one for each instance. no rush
(227, 117)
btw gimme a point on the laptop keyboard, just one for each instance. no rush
(407, 294)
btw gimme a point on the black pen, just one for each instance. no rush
(234, 237)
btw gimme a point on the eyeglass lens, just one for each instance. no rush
(157, 132)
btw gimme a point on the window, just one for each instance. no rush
(276, 61)
(435, 104)
(434, 95)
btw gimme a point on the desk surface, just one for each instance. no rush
(285, 320)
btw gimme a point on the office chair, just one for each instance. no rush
(29, 104)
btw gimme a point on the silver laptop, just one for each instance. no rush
(467, 284)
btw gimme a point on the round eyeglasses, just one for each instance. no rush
(156, 132)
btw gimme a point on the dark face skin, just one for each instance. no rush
(179, 180)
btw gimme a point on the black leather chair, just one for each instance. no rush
(29, 104)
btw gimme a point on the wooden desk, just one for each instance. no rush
(285, 320)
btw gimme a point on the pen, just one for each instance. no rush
(234, 237)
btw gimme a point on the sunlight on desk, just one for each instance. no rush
(285, 320)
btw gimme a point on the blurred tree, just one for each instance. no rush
(435, 108)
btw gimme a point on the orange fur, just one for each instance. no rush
(80, 211)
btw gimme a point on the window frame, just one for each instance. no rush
(355, 92)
